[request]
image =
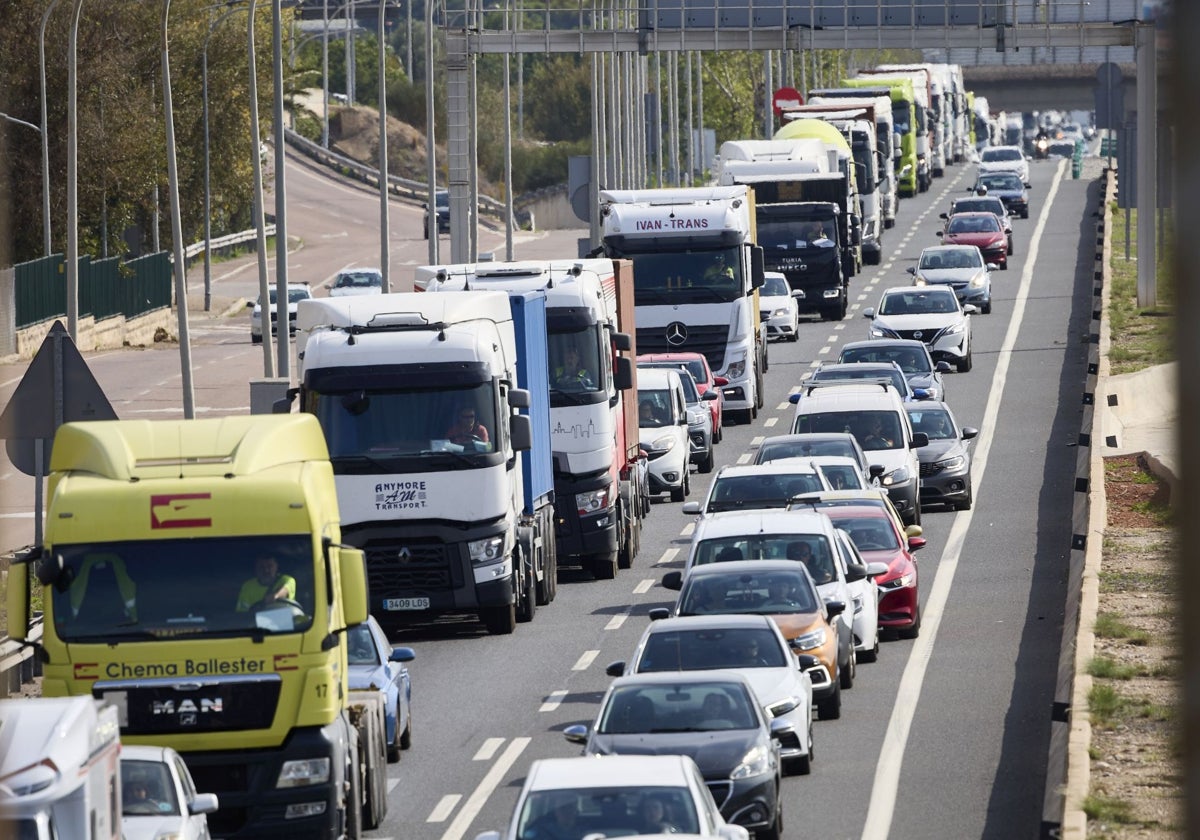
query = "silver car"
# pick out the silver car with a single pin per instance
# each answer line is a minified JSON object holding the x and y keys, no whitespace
{"x":946,"y":461}
{"x":962,"y":268}
{"x":931,"y":314}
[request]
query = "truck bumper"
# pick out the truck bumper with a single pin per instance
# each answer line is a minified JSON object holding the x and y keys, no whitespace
{"x":252,"y":806}
{"x":580,"y":536}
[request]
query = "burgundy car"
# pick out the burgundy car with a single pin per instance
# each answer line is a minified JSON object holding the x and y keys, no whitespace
{"x":880,"y":538}
{"x":982,"y":230}
{"x":697,"y":365}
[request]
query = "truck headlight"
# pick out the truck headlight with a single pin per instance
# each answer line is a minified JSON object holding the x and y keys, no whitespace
{"x":486,"y":551}
{"x":303,"y":772}
{"x":594,"y":501}
{"x":737,"y":368}
{"x":754,"y":763}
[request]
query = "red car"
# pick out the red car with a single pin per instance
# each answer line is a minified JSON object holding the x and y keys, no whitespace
{"x":881,"y":538}
{"x":982,"y":230}
{"x":697,"y":365}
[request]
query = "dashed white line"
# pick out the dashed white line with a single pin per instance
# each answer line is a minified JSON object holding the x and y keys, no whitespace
{"x":783,"y":406}
{"x":480,"y":795}
{"x":553,"y":700}
{"x":687,"y":529}
{"x":643,"y":586}
{"x":616,"y":621}
{"x":744,"y":458}
{"x":757,"y":440}
{"x":585,"y":661}
{"x":770,"y":421}
{"x":443,"y":809}
{"x":668,"y":555}
{"x":824,"y":351}
{"x":488,"y":749}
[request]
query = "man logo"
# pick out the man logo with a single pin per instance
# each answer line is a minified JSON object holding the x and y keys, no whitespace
{"x":676,"y":333}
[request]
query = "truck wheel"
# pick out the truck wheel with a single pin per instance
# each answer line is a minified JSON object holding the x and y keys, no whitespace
{"x":372,"y":751}
{"x":603,"y":566}
{"x":876,"y":256}
{"x":624,"y":539}
{"x":353,"y":801}
{"x":499,"y":621}
{"x":545,"y":586}
{"x":527,"y":592}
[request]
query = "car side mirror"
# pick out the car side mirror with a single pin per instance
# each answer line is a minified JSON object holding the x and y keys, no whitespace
{"x":249,"y":304}
{"x":912,"y":269}
{"x":203,"y":803}
{"x":943,"y":367}
{"x":402,"y":654}
{"x":659,"y":613}
{"x":615,"y":669}
{"x":710,"y":395}
{"x":806,"y":661}
{"x":969,"y":432}
{"x":919,"y":439}
{"x":673,"y":580}
{"x":916,"y":543}
{"x":943,"y":215}
{"x":869,"y":312}
{"x":691,"y":508}
{"x":834,"y":609}
{"x":1028,"y":185}
{"x":794,"y":398}
{"x":855,"y":572}
{"x":576,"y":733}
{"x":970,"y":309}
{"x":940,"y":234}
{"x":876,"y":470}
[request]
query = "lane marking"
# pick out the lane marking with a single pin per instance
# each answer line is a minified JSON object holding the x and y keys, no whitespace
{"x":770,"y":421}
{"x":616,"y":621}
{"x":553,"y":700}
{"x":688,"y":529}
{"x":667,"y":556}
{"x":584,"y":662}
{"x":757,"y":441}
{"x":479,"y":796}
{"x":443,"y":809}
{"x":885,"y":788}
{"x":488,"y":749}
{"x":643,"y":587}
{"x":783,"y":406}
{"x":744,"y":458}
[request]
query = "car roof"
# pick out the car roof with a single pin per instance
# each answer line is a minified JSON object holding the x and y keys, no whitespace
{"x":772,"y":468}
{"x":851,"y":511}
{"x":671,"y":357}
{"x":744,"y":566}
{"x":920,"y":290}
{"x":888,"y":342}
{"x":838,"y":397}
{"x":609,"y":771}
{"x":656,"y":378}
{"x":803,"y":436}
{"x":967,"y":214}
{"x":761,"y":521}
{"x":676,"y":677}
{"x":720,"y":621}
{"x":938,"y":249}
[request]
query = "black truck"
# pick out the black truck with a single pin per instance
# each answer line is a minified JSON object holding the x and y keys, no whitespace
{"x":801,"y":240}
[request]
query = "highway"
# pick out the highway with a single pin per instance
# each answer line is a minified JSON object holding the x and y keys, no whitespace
{"x":946,"y":736}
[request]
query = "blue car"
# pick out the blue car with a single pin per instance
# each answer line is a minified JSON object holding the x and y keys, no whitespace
{"x":375,"y":664}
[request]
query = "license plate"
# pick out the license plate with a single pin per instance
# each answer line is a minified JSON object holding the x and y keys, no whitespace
{"x":406,"y":603}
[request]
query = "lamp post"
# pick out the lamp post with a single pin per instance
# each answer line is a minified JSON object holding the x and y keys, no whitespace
{"x":181,"y":305}
{"x":284,"y":347}
{"x":384,"y":226}
{"x":73,"y":179}
{"x":264,"y":292}
{"x":45,"y":133}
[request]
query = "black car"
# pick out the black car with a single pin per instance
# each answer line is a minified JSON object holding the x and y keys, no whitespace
{"x":1009,"y":188}
{"x":441,"y":203}
{"x":946,"y":461}
{"x":713,"y":718}
{"x":912,"y":356}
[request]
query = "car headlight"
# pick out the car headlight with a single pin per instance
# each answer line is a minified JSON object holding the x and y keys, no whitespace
{"x":594,"y":501}
{"x":881,"y":332}
{"x":737,"y":368}
{"x":902,"y":582}
{"x":780,"y":312}
{"x":977,"y":281}
{"x":897,"y":476}
{"x":486,"y":551}
{"x":303,"y":772}
{"x":919,"y":280}
{"x":808,"y":641}
{"x":955,"y":329}
{"x":782,"y":707}
{"x":754,"y":763}
{"x":664,"y":444}
{"x":952,"y":463}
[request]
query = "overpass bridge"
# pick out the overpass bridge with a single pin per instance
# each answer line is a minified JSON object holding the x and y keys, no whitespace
{"x":1042,"y":87}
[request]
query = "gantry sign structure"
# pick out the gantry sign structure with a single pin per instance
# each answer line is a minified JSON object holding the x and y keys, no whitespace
{"x":620,"y":35}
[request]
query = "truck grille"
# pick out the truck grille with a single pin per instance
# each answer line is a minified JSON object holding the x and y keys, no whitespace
{"x":228,"y":704}
{"x":709,"y":340}
{"x":422,"y":566}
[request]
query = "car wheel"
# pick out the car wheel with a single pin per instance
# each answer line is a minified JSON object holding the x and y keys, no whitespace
{"x":986,"y":309}
{"x":847,"y":672}
{"x":1011,"y":251}
{"x":965,"y":504}
{"x":831,"y":707}
{"x":795,"y":327}
{"x":1004,"y":265}
{"x":706,"y":466}
{"x":679,"y":493}
{"x":964,"y":364}
{"x":406,"y":735}
{"x":871,"y":654}
{"x":914,"y":630}
{"x":256,"y":339}
{"x":1025,"y":213}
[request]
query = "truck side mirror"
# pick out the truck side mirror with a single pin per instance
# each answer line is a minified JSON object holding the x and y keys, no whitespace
{"x":757,"y":268}
{"x":17,"y":602}
{"x":520,"y":432}
{"x":623,"y":373}
{"x":518,"y":398}
{"x":352,"y":566}
{"x":622,"y":341}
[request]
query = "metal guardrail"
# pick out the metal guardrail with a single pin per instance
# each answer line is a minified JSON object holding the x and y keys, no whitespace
{"x":18,"y":665}
{"x":230,"y":240}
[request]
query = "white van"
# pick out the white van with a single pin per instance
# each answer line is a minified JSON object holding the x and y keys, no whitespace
{"x":875,"y":415}
{"x":663,"y":430}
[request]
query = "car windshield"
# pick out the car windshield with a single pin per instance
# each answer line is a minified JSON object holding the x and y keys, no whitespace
{"x":1001,"y":181}
{"x":920,"y":301}
{"x":813,"y":550}
{"x":955,"y":258}
{"x":654,"y":408}
{"x":775,"y":287}
{"x":601,"y":811}
{"x":680,"y":277}
{"x":868,"y":533}
{"x":441,"y":199}
{"x":767,"y":593}
{"x":910,"y":359}
{"x":686,"y":707}
{"x":215,"y":587}
{"x":761,"y":490}
{"x":147,"y":790}
{"x":978,"y":205}
{"x":934,"y":422}
{"x":358,"y":280}
{"x":990,"y":155}
{"x":294,"y":295}
{"x":873,"y":429}
{"x":702,"y":650}
{"x":973,"y":223}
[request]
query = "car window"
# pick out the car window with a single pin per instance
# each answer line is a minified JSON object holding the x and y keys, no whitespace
{"x":700,"y":650}
{"x":147,"y":789}
{"x":776,"y":287}
{"x":799,"y":449}
{"x":296,"y":295}
{"x":696,"y":368}
{"x":935,"y":423}
{"x":1001,"y":154}
{"x":842,"y":476}
{"x":654,"y":408}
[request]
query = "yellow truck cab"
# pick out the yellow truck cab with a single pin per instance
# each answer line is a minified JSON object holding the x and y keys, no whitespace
{"x":192,"y":576}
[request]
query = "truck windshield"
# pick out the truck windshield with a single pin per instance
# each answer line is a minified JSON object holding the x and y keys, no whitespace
{"x":796,"y":234}
{"x":381,"y":424}
{"x":687,"y":277}
{"x":576,"y":365}
{"x":216,"y":586}
{"x":901,"y":112}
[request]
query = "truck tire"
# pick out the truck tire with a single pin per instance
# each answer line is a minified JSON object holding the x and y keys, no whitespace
{"x":526,"y":587}
{"x":603,"y":566}
{"x":352,"y":804}
{"x":624,"y":538}
{"x":501,"y":620}
{"x":372,"y":753}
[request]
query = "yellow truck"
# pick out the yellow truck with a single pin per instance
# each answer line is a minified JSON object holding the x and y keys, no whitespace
{"x":192,"y":575}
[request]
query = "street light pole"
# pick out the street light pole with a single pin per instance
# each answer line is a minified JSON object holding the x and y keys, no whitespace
{"x":325,"y":75}
{"x":73,"y":180}
{"x":46,"y":244}
{"x":384,"y":231}
{"x":181,"y":302}
{"x":264,"y":292}
{"x":284,"y":347}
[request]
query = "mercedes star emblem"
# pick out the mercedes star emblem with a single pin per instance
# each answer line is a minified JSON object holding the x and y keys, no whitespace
{"x":676,"y":333}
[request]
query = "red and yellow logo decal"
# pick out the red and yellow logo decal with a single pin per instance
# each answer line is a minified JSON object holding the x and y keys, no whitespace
{"x":180,"y":510}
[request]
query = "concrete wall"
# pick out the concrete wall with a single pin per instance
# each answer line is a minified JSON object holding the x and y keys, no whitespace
{"x":106,"y":334}
{"x":553,"y":212}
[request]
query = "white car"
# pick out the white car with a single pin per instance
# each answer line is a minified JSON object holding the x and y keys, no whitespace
{"x":780,"y":313}
{"x":296,"y":292}
{"x":357,"y":281}
{"x":758,"y":486}
{"x":587,"y":796}
{"x":864,"y":595}
{"x":1001,"y":158}
{"x":931,"y":314}
{"x":158,"y":798}
{"x":663,"y":431}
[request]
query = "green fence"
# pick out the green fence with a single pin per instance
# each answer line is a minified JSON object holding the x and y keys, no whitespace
{"x":107,"y":288}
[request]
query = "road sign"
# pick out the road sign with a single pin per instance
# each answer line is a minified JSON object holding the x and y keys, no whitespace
{"x":1110,"y":96}
{"x":785,"y":98}
{"x":58,"y":387}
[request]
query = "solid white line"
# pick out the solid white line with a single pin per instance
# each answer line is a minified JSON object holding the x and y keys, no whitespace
{"x":488,"y":749}
{"x":616,"y":622}
{"x":25,"y":514}
{"x":584,"y":662}
{"x":443,"y":809}
{"x":553,"y":700}
{"x":480,"y":795}
{"x":887,"y":771}
{"x":643,"y":586}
